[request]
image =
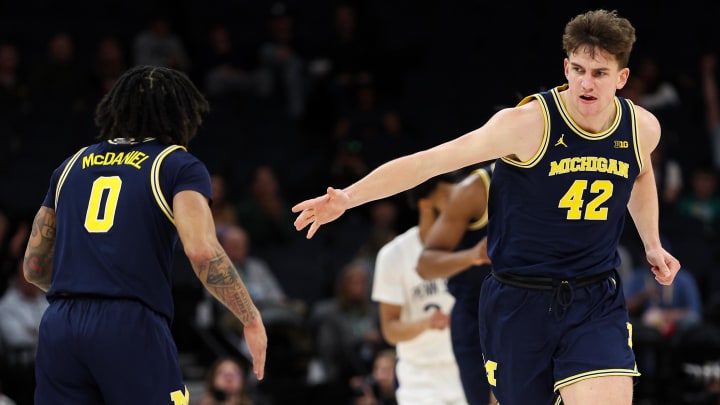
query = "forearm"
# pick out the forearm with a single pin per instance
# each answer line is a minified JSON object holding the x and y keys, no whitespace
{"x":220,"y":278}
{"x":443,"y":264}
{"x":38,"y":261}
{"x":389,"y":179}
{"x":643,"y":207}
{"x":398,"y":331}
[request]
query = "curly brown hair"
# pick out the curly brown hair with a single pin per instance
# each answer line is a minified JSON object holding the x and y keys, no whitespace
{"x":600,"y":29}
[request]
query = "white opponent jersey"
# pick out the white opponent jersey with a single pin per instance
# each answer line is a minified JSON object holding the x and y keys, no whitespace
{"x":396,"y":282}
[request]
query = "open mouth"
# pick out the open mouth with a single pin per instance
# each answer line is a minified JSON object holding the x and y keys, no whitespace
{"x":587,"y":98}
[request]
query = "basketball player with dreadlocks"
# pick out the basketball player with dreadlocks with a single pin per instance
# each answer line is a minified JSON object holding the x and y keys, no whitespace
{"x":102,"y":245}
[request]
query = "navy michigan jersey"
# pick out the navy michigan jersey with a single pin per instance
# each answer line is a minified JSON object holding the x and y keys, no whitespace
{"x":561,"y":213}
{"x":115,"y":234}
{"x":465,"y":285}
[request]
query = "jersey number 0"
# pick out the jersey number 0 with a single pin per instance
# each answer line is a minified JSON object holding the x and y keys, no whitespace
{"x":105,"y":189}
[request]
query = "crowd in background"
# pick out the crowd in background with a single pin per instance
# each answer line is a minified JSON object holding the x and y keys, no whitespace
{"x":309,"y":95}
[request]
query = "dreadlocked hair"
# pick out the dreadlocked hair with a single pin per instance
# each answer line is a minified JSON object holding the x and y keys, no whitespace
{"x":151,"y":101}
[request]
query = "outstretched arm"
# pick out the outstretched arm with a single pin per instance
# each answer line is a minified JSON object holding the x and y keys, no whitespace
{"x":213,"y":267}
{"x":512,"y":131}
{"x":38,"y":262}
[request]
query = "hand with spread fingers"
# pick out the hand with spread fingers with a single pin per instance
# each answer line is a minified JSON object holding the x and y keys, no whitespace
{"x":321,"y":210}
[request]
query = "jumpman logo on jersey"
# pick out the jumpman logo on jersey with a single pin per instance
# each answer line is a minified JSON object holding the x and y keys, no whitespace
{"x":560,"y":141}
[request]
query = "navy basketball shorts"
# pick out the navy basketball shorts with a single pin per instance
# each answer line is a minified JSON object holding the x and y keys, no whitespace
{"x":465,"y":336}
{"x":532,"y":346}
{"x":106,"y":351}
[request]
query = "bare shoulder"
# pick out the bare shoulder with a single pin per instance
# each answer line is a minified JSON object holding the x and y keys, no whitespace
{"x":648,"y":129}
{"x":469,"y":195}
{"x":522,"y":127}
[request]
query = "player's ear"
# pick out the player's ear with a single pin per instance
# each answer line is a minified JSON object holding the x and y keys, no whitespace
{"x":623,"y":78}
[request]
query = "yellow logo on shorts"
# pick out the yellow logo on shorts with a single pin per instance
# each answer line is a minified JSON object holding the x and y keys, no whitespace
{"x":490,"y":367}
{"x":180,"y":398}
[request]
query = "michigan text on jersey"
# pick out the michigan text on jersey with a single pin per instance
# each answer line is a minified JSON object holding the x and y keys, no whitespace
{"x":133,"y":158}
{"x":589,"y":164}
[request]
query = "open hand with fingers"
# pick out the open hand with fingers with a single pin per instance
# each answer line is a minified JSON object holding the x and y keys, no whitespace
{"x":321,"y":210}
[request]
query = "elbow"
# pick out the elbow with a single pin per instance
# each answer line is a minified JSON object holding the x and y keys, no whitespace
{"x":389,"y":338}
{"x":199,"y":253}
{"x":423,"y":268}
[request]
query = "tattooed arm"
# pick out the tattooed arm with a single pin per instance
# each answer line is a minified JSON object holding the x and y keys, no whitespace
{"x":213,"y":267}
{"x":37,"y":265}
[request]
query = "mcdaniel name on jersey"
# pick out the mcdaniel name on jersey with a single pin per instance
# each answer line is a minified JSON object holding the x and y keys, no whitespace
{"x":589,"y":164}
{"x":133,"y":158}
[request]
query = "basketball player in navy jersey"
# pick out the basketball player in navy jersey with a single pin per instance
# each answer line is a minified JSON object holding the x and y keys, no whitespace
{"x":102,"y":245}
{"x":553,"y":319}
{"x":455,"y":248}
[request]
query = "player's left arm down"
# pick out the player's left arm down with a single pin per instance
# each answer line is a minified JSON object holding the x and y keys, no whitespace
{"x":37,"y":264}
{"x":643,"y":205}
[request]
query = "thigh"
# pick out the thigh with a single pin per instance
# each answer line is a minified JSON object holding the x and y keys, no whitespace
{"x":518,"y":337}
{"x":465,"y":334}
{"x":135,"y":359}
{"x":60,"y":373}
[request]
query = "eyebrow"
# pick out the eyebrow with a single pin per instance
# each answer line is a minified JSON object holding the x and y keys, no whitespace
{"x":603,"y":69}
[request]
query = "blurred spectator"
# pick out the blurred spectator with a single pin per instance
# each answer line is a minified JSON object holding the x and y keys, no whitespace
{"x":376,"y":127}
{"x":13,"y":91}
{"x":21,"y":310}
{"x":226,"y":384}
{"x":702,"y":202}
{"x":346,"y":331}
{"x":383,"y":228}
{"x":13,"y":103}
{"x":708,"y":71}
{"x":110,"y":63}
{"x":262,"y":285}
{"x":284,"y":63}
{"x":264,"y":213}
{"x":57,"y":83}
{"x":659,"y":94}
{"x":668,"y":176}
{"x":13,"y":247}
{"x":350,"y":56}
{"x":224,"y":70}
{"x":668,"y":308}
{"x":379,"y":387}
{"x":658,"y":313}
{"x":158,"y":45}
{"x":257,"y":276}
{"x":223,"y":210}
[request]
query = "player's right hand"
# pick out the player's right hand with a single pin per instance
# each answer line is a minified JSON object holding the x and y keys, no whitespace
{"x":256,"y":340}
{"x":321,"y":210}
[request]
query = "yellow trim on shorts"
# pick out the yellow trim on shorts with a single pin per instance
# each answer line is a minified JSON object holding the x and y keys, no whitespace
{"x":65,"y":172}
{"x":155,"y":181}
{"x":593,"y":374}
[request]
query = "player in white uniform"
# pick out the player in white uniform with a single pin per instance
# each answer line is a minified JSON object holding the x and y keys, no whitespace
{"x":414,"y":313}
